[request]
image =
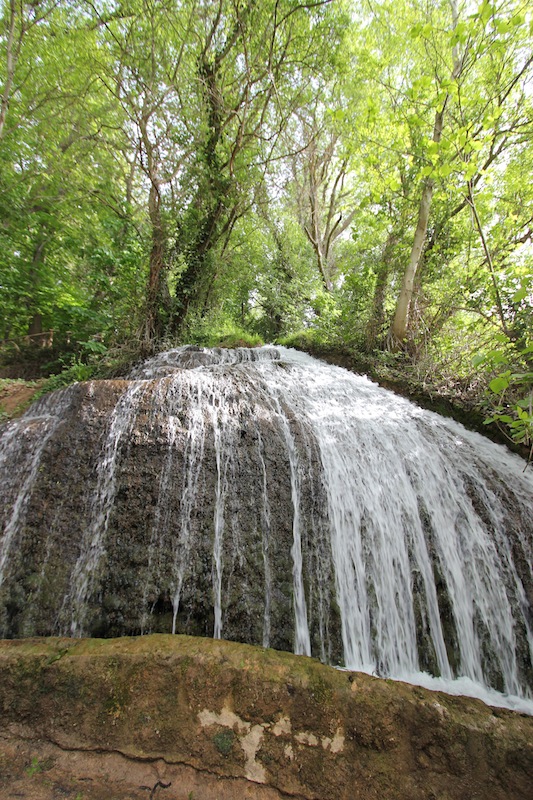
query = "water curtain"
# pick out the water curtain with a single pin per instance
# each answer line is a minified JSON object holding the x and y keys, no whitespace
{"x":262,"y":496}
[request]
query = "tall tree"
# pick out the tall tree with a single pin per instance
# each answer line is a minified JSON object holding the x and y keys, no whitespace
{"x":54,"y":166}
{"x":322,"y":183}
{"x":457,"y":106}
{"x":146,"y":63}
{"x":400,"y":322}
{"x":254,"y":65}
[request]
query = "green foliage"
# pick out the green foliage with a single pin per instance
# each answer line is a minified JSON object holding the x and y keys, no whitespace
{"x":77,"y":371}
{"x":511,"y":393}
{"x":256,"y":174}
{"x":301,"y":340}
{"x":66,"y":240}
{"x":39,"y":765}
{"x":223,"y":741}
{"x":83,"y":363}
{"x":214,"y":332}
{"x":239,"y":338}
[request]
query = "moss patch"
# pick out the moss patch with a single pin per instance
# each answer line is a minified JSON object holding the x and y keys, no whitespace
{"x":277,"y":723}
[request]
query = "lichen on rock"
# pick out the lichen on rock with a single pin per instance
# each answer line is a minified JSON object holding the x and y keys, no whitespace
{"x":225,"y":721}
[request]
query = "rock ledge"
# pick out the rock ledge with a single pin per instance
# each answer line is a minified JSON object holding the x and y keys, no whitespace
{"x":184,"y":718}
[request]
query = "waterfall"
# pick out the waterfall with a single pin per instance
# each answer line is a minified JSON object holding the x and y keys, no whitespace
{"x":87,"y":566}
{"x":38,"y":427}
{"x":263,"y":496}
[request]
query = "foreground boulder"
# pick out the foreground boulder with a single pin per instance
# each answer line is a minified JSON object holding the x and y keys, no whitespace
{"x":178,"y":717}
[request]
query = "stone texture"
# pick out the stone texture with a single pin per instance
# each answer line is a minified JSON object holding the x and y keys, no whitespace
{"x":133,"y":582}
{"x":178,"y":717}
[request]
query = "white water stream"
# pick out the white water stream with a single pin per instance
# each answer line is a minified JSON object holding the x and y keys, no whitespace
{"x":377,"y":469}
{"x":392,"y":473}
{"x":40,"y":423}
{"x":87,"y":566}
{"x":411,"y":538}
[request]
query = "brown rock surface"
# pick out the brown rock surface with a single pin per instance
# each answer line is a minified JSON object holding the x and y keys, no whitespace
{"x":184,"y":718}
{"x":15,"y":396}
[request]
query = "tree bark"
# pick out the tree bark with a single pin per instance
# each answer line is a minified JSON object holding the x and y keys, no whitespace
{"x":35,"y":324}
{"x":400,"y":323}
{"x":152,"y":320}
{"x":375,"y":328}
{"x":11,"y":58}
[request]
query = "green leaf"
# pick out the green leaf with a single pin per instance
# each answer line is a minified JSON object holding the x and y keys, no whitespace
{"x":503,"y":27}
{"x":521,"y":294}
{"x":480,"y":358}
{"x":499,"y":384}
{"x":471,"y":170}
{"x":525,"y":403}
{"x":496,"y":356}
{"x":445,"y":170}
{"x":485,"y":11}
{"x":460,"y":34}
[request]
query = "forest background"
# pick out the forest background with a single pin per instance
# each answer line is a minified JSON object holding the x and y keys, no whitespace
{"x":340,"y":175}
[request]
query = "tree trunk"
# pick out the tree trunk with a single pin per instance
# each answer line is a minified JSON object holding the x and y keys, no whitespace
{"x":197,"y":273}
{"x":35,"y":324}
{"x":11,"y":58}
{"x":399,"y":327}
{"x":152,"y":319}
{"x":35,"y":327}
{"x":210,"y":203}
{"x":376,"y":324}
{"x":398,"y":332}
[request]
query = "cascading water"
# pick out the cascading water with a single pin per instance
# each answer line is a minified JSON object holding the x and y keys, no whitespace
{"x":262,"y":496}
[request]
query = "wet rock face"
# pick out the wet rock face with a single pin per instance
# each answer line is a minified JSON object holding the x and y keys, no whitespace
{"x":49,"y":464}
{"x":248,"y":496}
{"x":133,"y":498}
